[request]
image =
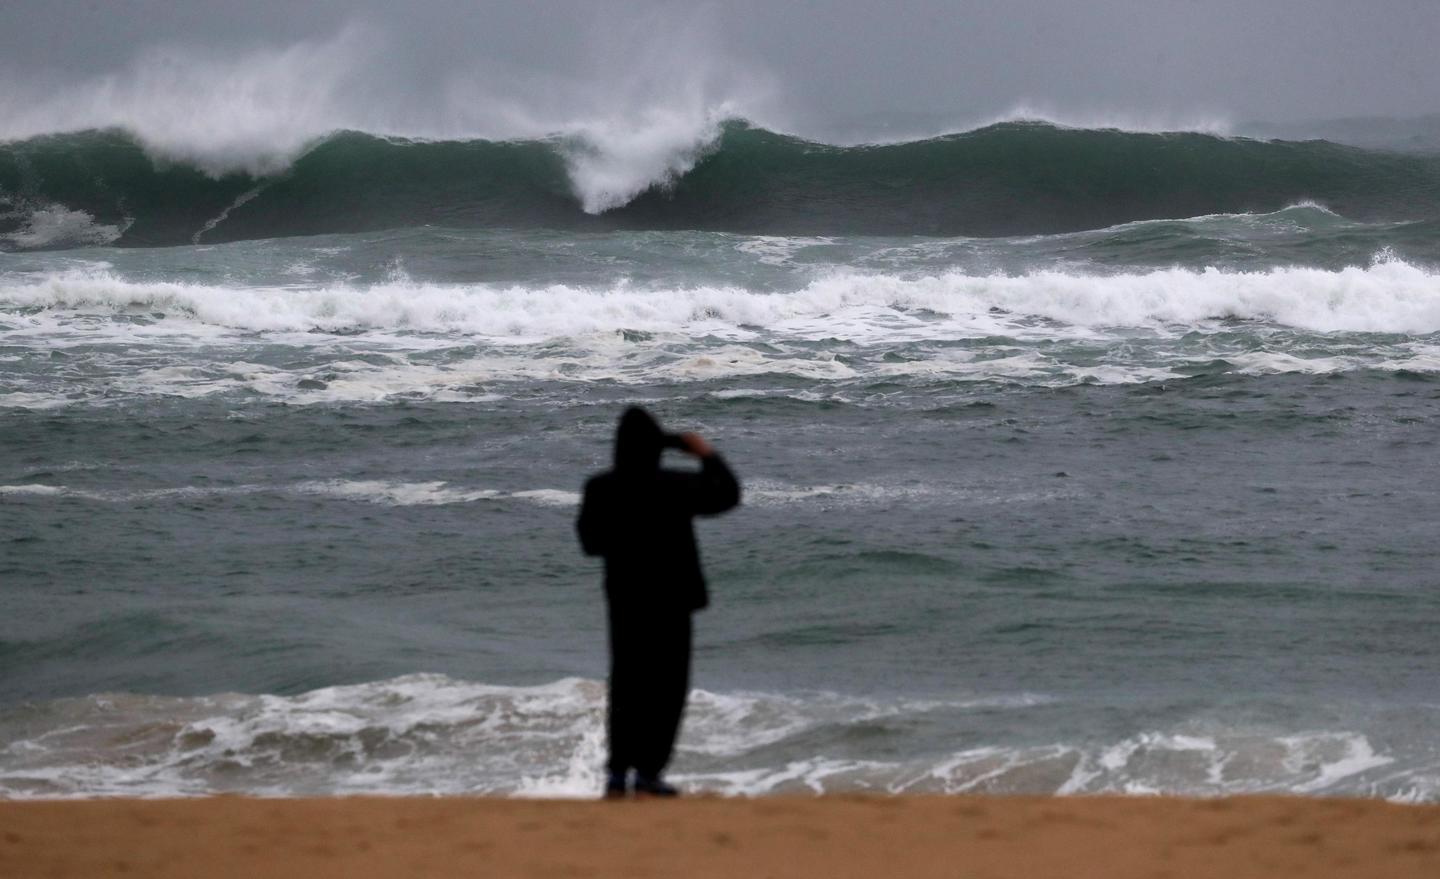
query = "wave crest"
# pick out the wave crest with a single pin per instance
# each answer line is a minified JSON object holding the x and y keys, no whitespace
{"x":683,"y":169}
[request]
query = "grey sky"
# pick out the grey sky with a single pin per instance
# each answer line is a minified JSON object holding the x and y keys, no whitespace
{"x":811,"y":64}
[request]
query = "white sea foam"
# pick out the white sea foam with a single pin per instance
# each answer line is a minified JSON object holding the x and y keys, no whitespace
{"x":1227,"y":762}
{"x":778,"y":250}
{"x":375,"y":491}
{"x":54,"y":225}
{"x":492,"y":378}
{"x":769,"y":492}
{"x":398,"y":493}
{"x":415,"y":734}
{"x":403,"y":494}
{"x":240,"y":201}
{"x":611,"y":163}
{"x":464,"y":343}
{"x":549,"y":497}
{"x":429,"y":734}
{"x":407,"y":494}
{"x":1390,"y":296}
{"x":1218,"y":124}
{"x":422,"y":733}
{"x":759,"y":492}
{"x":36,"y":490}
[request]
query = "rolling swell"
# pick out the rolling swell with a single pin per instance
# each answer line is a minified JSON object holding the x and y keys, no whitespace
{"x":1016,"y":178}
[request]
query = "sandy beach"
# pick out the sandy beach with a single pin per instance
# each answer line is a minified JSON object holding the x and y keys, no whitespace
{"x":832,"y":836}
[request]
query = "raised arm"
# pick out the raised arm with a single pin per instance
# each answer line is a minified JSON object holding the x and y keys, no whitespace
{"x":716,"y":488}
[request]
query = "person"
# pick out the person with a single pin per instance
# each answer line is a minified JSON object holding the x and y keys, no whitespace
{"x":639,"y":517}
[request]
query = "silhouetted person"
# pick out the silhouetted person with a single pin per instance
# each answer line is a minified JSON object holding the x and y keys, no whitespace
{"x":638,"y":516}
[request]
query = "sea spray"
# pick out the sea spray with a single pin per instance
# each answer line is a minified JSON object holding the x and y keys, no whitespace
{"x":638,"y":113}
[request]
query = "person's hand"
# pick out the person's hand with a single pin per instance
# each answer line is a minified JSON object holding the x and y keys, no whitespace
{"x":696,"y":445}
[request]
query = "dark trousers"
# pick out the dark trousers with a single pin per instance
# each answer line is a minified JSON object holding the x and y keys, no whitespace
{"x":649,"y":681}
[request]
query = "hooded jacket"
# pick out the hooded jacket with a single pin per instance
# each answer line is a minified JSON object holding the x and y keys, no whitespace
{"x":639,"y":517}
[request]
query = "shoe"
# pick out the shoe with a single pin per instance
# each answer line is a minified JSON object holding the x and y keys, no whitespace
{"x":646,"y":786}
{"x":616,"y":787}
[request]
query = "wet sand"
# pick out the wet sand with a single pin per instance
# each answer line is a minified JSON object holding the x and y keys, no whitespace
{"x":830,"y":836}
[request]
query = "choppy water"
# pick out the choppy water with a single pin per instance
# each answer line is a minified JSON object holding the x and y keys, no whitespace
{"x":1116,"y":503}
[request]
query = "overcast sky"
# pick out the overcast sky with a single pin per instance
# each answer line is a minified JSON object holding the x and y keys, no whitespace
{"x":805,"y":63}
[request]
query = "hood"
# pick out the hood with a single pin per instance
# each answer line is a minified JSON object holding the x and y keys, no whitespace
{"x":638,"y":441}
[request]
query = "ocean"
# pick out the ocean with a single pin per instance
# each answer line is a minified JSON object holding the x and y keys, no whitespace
{"x":1075,"y":461}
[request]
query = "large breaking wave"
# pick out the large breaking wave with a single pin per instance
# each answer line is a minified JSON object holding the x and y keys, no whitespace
{"x":1010,"y":178}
